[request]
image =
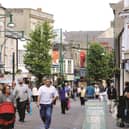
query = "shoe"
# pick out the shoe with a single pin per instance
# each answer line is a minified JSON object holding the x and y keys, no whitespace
{"x":43,"y":119}
{"x":21,"y":120}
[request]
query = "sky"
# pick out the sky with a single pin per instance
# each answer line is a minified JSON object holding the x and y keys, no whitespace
{"x":71,"y":15}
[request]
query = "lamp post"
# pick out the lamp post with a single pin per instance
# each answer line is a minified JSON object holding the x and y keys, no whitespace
{"x":10,"y":24}
{"x":13,"y":66}
{"x":58,"y":39}
{"x":61,"y":56}
{"x":87,"y":43}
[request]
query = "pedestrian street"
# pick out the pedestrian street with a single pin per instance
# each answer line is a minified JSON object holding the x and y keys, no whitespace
{"x":73,"y":119}
{"x":94,"y":115}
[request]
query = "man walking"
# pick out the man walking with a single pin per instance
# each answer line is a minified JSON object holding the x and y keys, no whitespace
{"x":21,"y":92}
{"x":47,"y":95}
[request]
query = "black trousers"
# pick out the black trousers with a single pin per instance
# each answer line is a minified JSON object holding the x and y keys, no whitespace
{"x":21,"y":107}
{"x":63,"y":106}
{"x":34,"y":98}
{"x":82,"y":100}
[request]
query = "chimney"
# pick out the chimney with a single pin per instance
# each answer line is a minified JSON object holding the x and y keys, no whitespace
{"x":39,"y":9}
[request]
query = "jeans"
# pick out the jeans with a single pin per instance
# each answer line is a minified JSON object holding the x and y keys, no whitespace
{"x":46,"y":113}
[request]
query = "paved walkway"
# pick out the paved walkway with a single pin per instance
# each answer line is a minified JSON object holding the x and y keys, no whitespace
{"x":94,"y":115}
{"x":73,"y":119}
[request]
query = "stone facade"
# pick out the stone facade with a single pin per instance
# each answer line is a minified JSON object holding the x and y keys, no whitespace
{"x":124,"y":14}
{"x":118,"y":25}
{"x":26,"y":20}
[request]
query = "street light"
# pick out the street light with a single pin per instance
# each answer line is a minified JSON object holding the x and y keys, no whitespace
{"x":58,"y":40}
{"x":61,"y":56}
{"x":10,"y":23}
{"x":15,"y":34}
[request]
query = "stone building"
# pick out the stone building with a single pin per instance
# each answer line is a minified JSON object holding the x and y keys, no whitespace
{"x":79,"y":42}
{"x":25,"y":20}
{"x":7,"y":41}
{"x":124,"y":14}
{"x":118,"y":30}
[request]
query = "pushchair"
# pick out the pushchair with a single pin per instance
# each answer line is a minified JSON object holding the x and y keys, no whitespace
{"x":7,"y":115}
{"x":123,"y":112}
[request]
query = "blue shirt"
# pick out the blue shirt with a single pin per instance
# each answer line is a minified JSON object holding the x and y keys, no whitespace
{"x":90,"y":91}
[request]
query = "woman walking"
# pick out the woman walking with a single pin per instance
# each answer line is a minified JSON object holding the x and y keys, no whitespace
{"x":82,"y":95}
{"x":7,"y":108}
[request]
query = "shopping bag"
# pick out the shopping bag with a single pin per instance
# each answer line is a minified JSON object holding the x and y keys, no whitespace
{"x":68,"y":104}
{"x":30,"y":111}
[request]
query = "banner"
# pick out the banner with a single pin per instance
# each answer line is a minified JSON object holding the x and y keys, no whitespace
{"x":82,"y":58}
{"x":55,"y":58}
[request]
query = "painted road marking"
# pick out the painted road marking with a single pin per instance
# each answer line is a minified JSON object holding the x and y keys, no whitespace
{"x":95,"y":115}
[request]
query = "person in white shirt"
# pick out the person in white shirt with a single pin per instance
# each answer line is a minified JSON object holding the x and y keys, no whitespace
{"x":82,"y":95}
{"x":47,"y":95}
{"x":97,"y":91}
{"x":34,"y":93}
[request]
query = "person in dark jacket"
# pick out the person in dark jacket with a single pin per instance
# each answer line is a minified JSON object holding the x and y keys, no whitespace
{"x":62,"y":97}
{"x":111,"y":92}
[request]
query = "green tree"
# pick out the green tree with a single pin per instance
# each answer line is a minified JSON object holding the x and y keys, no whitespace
{"x":110,"y":70}
{"x":37,"y":58}
{"x":99,"y":65}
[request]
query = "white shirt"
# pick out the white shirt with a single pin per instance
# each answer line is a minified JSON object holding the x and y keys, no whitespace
{"x":97,"y":90}
{"x":34,"y":91}
{"x":46,"y":94}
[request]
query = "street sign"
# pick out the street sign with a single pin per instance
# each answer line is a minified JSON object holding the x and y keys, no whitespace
{"x":95,"y":115}
{"x":55,"y":66}
{"x":82,"y":72}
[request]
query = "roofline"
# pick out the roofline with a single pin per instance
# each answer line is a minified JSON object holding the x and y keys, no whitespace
{"x":2,"y":7}
{"x":30,"y":9}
